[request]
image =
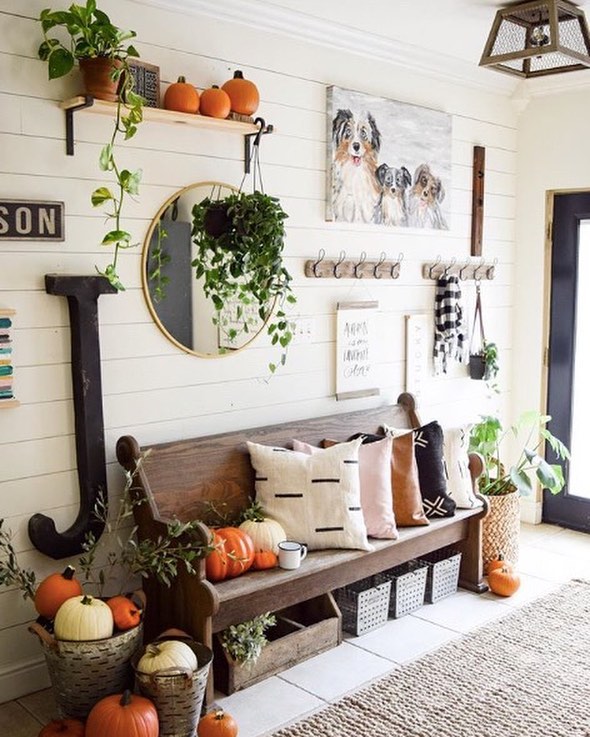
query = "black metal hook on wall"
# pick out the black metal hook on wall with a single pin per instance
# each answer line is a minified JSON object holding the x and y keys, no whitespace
{"x":395,"y":268}
{"x":382,"y":258}
{"x":263,"y":129}
{"x":321,"y":255}
{"x":361,"y":261}
{"x":341,"y":259}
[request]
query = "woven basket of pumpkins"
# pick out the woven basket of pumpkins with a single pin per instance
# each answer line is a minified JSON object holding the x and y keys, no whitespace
{"x":88,"y":642}
{"x":172,"y":671}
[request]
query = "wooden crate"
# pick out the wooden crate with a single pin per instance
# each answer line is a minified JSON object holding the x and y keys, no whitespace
{"x":302,"y":631}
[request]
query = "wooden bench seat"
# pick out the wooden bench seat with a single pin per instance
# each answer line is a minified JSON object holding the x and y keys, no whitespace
{"x":181,"y":480}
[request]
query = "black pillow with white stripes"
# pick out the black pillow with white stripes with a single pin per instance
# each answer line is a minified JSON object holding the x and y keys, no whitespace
{"x":429,"y":450}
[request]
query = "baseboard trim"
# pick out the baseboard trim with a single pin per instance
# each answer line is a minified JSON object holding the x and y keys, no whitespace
{"x":22,"y":679}
{"x":531,"y":512}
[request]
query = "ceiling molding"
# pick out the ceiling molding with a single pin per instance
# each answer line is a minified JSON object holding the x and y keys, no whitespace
{"x":303,"y":27}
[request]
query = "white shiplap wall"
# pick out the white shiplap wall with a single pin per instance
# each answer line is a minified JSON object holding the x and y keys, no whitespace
{"x":151,"y":389}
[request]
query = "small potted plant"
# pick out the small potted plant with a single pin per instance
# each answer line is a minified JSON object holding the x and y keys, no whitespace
{"x":503,"y":485}
{"x":484,"y":365}
{"x":97,"y":45}
{"x":240,"y":241}
{"x":95,"y":41}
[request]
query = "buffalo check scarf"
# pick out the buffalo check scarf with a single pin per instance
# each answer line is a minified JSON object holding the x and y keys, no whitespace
{"x":450,"y":334}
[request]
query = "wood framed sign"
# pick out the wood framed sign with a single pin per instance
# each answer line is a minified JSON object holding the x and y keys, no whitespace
{"x":355,"y":335}
{"x":146,"y":81}
{"x":31,"y":220}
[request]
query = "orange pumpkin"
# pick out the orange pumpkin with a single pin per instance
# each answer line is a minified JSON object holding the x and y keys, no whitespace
{"x":125,"y":613}
{"x":215,"y":103}
{"x":499,"y":562}
{"x":216,"y":561}
{"x":63,"y":727}
{"x":54,"y":590}
{"x":182,"y":97}
{"x":264,"y":559}
{"x":243,"y":94}
{"x":123,"y":715}
{"x":239,"y":549}
{"x":217,"y":723}
{"x":504,"y":581}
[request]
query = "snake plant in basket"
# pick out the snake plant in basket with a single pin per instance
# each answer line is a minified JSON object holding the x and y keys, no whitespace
{"x":239,"y":257}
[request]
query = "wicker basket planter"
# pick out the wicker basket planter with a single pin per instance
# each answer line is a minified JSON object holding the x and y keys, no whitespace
{"x":82,"y":673}
{"x":501,"y":528}
{"x":178,"y":697}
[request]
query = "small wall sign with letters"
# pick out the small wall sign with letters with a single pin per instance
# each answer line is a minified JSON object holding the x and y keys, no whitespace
{"x":31,"y":220}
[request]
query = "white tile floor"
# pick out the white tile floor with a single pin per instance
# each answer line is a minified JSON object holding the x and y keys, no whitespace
{"x":549,"y":556}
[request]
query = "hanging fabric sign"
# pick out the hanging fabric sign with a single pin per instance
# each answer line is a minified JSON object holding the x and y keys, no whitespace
{"x":355,"y":335}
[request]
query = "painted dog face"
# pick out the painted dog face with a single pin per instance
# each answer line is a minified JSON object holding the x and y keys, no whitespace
{"x":355,"y":138}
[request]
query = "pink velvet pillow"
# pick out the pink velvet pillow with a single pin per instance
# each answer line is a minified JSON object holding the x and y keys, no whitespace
{"x":375,"y":477}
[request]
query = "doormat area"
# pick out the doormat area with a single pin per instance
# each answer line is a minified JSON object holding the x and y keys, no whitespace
{"x":526,"y":675}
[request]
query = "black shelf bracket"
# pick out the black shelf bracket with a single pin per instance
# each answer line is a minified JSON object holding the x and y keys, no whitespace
{"x":263,"y":129}
{"x":88,"y":102}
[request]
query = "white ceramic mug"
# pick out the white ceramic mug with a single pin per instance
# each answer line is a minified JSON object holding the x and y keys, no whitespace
{"x":291,"y":554}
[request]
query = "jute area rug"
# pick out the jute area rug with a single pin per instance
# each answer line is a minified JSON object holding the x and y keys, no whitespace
{"x":526,"y":674}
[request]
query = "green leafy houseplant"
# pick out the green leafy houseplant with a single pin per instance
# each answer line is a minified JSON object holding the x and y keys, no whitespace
{"x":244,"y":642}
{"x":92,"y":36}
{"x":484,"y":364}
{"x":240,"y":261}
{"x":487,"y":437}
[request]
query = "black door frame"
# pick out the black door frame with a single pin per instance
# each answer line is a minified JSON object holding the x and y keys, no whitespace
{"x":567,"y":209}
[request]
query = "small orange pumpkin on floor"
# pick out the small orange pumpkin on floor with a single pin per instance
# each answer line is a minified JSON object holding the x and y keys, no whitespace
{"x":217,"y":723}
{"x":504,"y":581}
{"x":499,"y":562}
{"x":182,"y":97}
{"x":123,"y":715}
{"x":63,"y":727}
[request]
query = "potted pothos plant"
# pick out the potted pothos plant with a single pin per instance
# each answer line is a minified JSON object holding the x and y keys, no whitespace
{"x":239,"y":242}
{"x":94,"y":40}
{"x":484,"y":364}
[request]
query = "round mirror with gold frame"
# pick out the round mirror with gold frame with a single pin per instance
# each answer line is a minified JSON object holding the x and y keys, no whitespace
{"x":174,"y":296}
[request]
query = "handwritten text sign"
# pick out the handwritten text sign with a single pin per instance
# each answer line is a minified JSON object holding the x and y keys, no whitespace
{"x":355,"y":326}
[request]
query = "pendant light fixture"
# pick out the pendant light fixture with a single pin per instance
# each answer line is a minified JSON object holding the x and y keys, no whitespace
{"x":536,"y":38}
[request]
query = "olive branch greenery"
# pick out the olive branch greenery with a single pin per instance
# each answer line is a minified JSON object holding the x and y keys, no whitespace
{"x":11,"y":573}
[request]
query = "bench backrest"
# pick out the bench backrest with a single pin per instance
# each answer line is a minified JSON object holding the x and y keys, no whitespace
{"x":200,"y":477}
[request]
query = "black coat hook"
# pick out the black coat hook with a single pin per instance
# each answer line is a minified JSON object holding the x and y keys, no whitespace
{"x":341,"y":258}
{"x":321,"y":255}
{"x":381,"y":261}
{"x":362,"y":260}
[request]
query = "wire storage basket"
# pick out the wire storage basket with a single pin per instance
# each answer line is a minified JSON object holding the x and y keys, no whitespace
{"x":177,"y":695}
{"x":443,"y":573}
{"x":82,"y":673}
{"x":408,"y":584}
{"x":363,"y":604}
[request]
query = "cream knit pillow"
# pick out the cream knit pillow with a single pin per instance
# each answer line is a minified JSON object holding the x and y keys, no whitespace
{"x":316,"y":498}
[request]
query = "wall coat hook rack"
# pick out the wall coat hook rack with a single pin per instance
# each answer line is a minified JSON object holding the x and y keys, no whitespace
{"x":477,"y":270}
{"x":348,"y":268}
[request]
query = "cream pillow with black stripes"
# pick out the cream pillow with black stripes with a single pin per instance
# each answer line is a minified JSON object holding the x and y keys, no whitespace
{"x":316,"y":498}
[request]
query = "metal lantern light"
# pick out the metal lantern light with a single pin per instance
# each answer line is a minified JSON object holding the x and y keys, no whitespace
{"x":536,"y":38}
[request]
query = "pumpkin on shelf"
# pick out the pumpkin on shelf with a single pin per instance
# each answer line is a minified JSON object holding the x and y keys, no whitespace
{"x":266,"y":533}
{"x":54,"y":590}
{"x":215,"y":102}
{"x":243,"y":94}
{"x":123,"y":715}
{"x":126,"y":614}
{"x":232,"y":554}
{"x":63,"y":727}
{"x":166,"y":655}
{"x":181,"y":97}
{"x":217,"y":723}
{"x":83,"y":618}
{"x":264,"y":559}
{"x":504,"y":581}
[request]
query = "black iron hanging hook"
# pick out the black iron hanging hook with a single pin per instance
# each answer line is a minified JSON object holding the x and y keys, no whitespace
{"x":263,"y":129}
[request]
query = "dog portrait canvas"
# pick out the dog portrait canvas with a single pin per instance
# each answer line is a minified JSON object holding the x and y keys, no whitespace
{"x":389,"y":162}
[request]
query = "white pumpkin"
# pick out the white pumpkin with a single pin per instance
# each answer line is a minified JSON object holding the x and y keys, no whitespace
{"x":165,"y":655}
{"x":266,"y":534}
{"x":83,"y":618}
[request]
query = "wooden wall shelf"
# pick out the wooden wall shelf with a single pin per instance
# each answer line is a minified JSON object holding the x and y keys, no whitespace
{"x":158,"y":115}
